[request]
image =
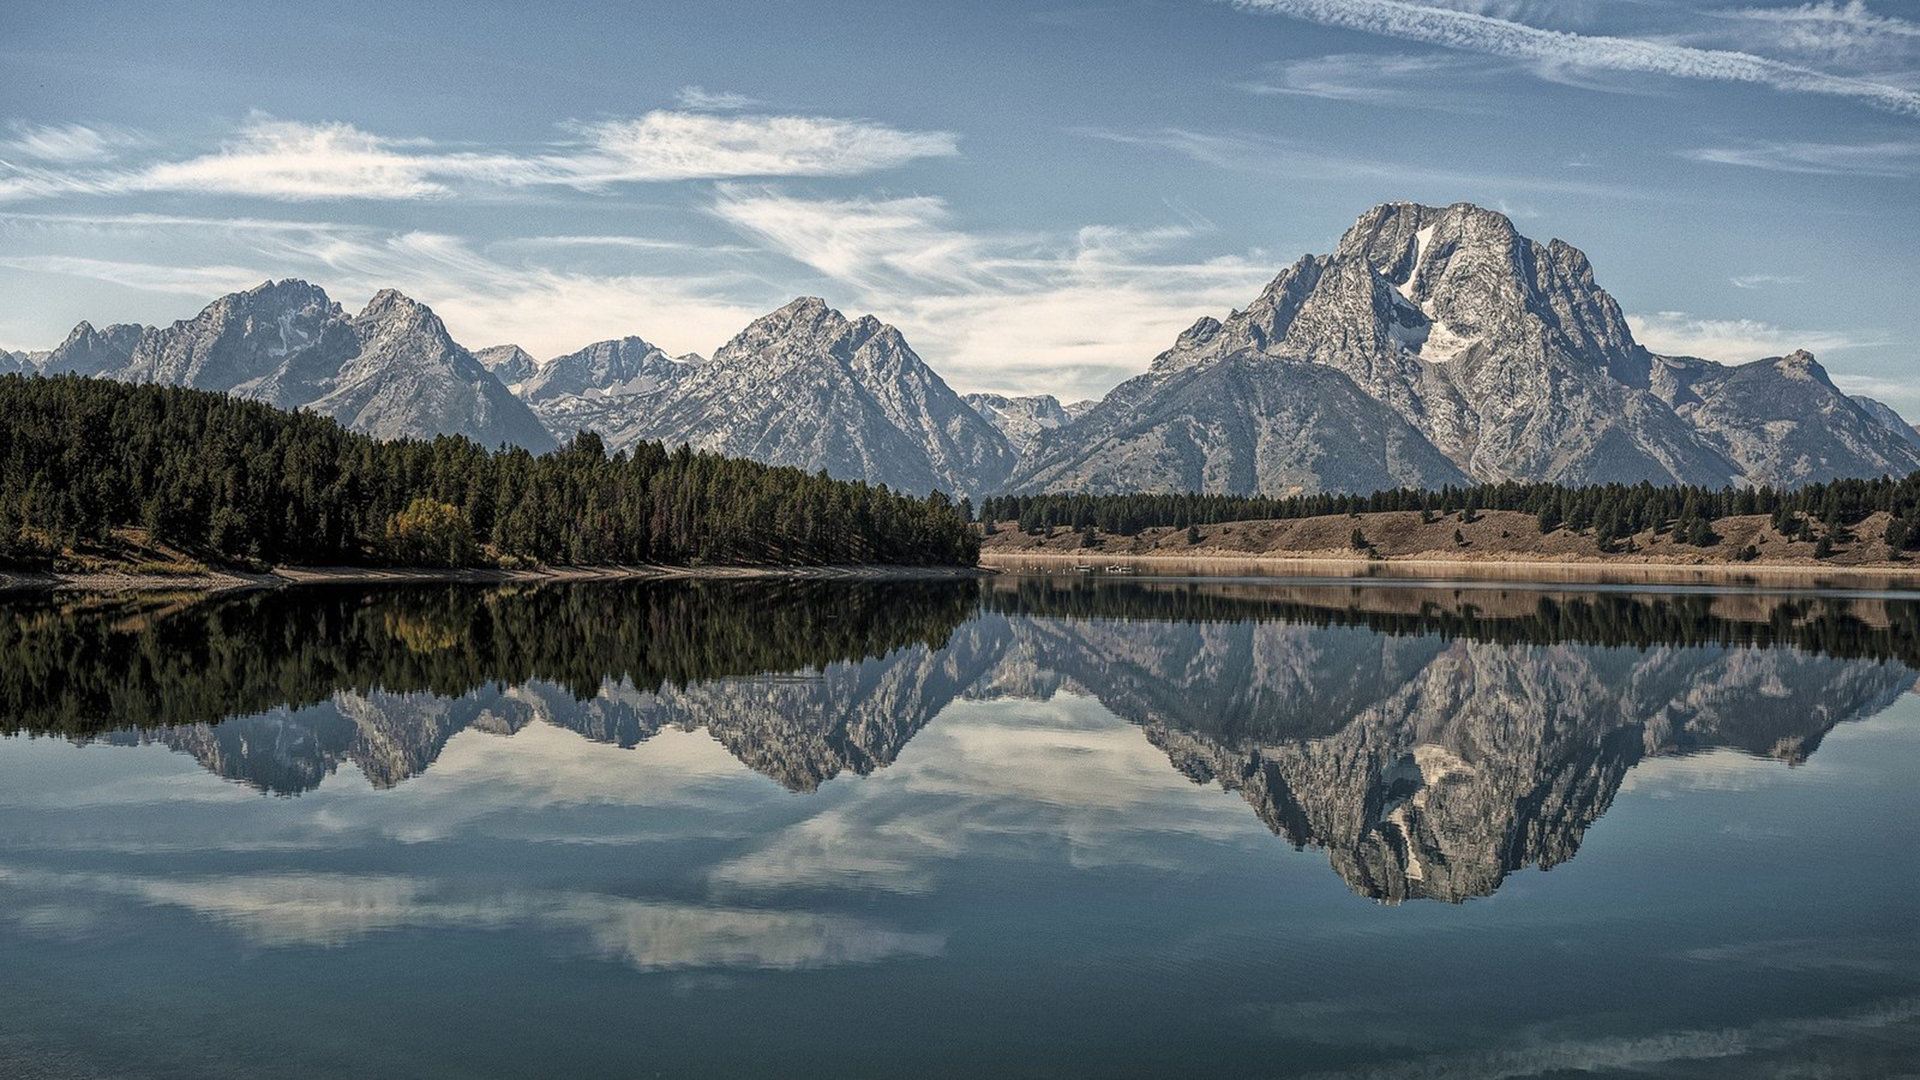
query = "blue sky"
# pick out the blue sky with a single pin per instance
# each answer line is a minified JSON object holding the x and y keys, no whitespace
{"x":1040,"y":195}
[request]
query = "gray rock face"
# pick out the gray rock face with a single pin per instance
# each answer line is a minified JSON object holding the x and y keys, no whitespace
{"x":392,"y":371}
{"x":1783,"y":422}
{"x":805,"y":386}
{"x":1243,"y":423}
{"x":409,"y":379}
{"x":607,"y":386}
{"x":511,"y":364}
{"x":1502,"y":353}
{"x":1020,"y":419}
{"x":1885,"y":415}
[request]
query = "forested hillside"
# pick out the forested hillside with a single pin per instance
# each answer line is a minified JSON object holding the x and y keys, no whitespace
{"x":242,"y":482}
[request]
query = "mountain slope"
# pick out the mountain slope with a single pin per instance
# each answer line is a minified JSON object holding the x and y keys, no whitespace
{"x":1782,"y":421}
{"x":1243,"y":423}
{"x":805,"y":386}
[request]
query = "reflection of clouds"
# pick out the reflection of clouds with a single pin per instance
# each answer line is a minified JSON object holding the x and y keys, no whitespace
{"x":993,"y":779}
{"x":528,"y":786}
{"x":542,"y":767}
{"x":1834,"y":1042}
{"x":51,"y":774}
{"x":279,"y":910}
{"x":1708,"y":770}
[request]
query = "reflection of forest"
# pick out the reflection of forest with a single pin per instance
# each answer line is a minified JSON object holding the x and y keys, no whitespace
{"x":1431,"y":741}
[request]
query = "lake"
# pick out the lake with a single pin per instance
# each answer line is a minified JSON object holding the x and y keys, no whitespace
{"x":1026,"y":826}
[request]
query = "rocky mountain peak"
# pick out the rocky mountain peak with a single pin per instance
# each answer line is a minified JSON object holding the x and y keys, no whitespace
{"x":1800,"y":364}
{"x":394,"y":308}
{"x":511,"y":364}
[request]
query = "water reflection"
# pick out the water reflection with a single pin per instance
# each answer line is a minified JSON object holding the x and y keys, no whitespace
{"x":1431,"y":742}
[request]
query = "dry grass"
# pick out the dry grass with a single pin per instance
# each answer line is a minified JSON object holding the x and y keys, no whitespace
{"x":1496,"y":536}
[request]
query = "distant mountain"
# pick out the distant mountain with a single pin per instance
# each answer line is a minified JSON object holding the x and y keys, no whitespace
{"x":806,"y":386}
{"x":1886,"y":415}
{"x":1020,"y":419}
{"x":391,"y":371}
{"x":1502,"y":353}
{"x":607,"y":386}
{"x":511,"y":364}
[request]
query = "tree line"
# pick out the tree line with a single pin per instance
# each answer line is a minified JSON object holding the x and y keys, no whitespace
{"x":243,"y":482}
{"x":1611,"y":512}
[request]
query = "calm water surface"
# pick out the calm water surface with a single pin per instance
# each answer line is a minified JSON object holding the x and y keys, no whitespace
{"x":1025,"y":827}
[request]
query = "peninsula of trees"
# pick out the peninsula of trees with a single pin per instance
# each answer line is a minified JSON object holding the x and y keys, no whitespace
{"x":243,"y":483}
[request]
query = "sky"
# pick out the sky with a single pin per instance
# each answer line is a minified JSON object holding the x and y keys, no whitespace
{"x":1040,"y":195}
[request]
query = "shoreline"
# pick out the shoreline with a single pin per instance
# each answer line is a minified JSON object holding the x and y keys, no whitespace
{"x":1517,"y":570}
{"x":294,"y":576}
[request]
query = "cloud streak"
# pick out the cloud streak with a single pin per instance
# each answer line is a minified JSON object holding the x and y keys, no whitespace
{"x":1733,"y":341}
{"x":66,"y":143}
{"x":1891,"y":158}
{"x":297,"y":161}
{"x":1473,"y":32}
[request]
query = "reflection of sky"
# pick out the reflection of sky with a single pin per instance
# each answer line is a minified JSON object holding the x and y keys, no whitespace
{"x":1021,"y":877}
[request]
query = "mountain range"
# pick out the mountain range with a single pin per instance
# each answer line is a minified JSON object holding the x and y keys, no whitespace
{"x":1435,"y":345}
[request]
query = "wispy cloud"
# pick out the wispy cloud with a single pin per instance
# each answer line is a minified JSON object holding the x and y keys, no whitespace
{"x":1474,"y":32}
{"x":200,"y":282}
{"x":1270,"y":156}
{"x":1734,"y":341}
{"x":1761,"y":281}
{"x":696,"y":97}
{"x":1847,"y":33}
{"x":1876,"y":387}
{"x":693,"y":146}
{"x":294,"y":160}
{"x":66,"y":143}
{"x":1400,"y":80}
{"x":1886,"y":158}
{"x":1069,"y":314}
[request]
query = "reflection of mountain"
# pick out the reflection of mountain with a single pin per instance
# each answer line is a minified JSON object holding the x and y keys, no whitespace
{"x":1430,"y":741}
{"x":800,"y":680}
{"x":800,"y":728}
{"x":1430,"y":763}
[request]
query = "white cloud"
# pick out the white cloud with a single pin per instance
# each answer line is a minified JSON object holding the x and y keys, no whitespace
{"x":546,"y":310}
{"x":1556,"y":49}
{"x":699,"y":146}
{"x":1893,"y":158}
{"x":294,"y":160}
{"x":1733,"y":341}
{"x":66,"y":143}
{"x":285,"y":159}
{"x":1761,"y":281}
{"x":697,"y":97}
{"x":1843,"y":33}
{"x":1015,"y":313}
{"x":1878,"y":388}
